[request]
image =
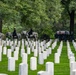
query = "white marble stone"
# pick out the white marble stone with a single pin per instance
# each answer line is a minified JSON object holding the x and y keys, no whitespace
{"x":23,"y":69}
{"x":9,"y":53}
{"x":28,"y":50}
{"x":11,"y":64}
{"x":45,"y":54}
{"x":17,"y":48}
{"x":74,"y":72}
{"x":4,"y":50}
{"x":11,"y":43}
{"x":24,"y":58}
{"x":0,"y":48}
{"x":32,"y":48}
{"x":33,"y":63}
{"x":50,"y":50}
{"x":72,"y":58}
{"x":22,"y":51}
{"x":72,"y":67}
{"x":34,"y":43}
{"x":50,"y":68}
{"x":57,"y":58}
{"x":16,"y":55}
{"x":35,"y":52}
{"x":41,"y":58}
{"x":48,"y":53}
{"x":12,"y":48}
{"x":8,"y":43}
{"x":22,"y":47}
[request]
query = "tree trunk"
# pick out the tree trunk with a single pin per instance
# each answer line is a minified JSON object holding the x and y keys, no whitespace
{"x":0,"y":25}
{"x":72,"y":14}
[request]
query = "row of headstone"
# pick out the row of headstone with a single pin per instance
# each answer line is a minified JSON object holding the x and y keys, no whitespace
{"x":70,"y":54}
{"x":58,"y":53}
{"x":54,"y":44}
{"x":43,"y":54}
{"x":15,"y":47}
{"x":8,"y":52}
{"x":34,"y":44}
{"x":74,"y":44}
{"x":71,"y":58}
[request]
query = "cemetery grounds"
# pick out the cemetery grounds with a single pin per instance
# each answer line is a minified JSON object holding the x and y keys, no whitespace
{"x":61,"y":68}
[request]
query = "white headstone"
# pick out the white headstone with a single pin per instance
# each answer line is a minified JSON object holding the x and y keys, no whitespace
{"x":4,"y":50}
{"x":11,"y":64}
{"x":0,"y":48}
{"x":9,"y":53}
{"x":12,"y":48}
{"x":50,"y":50}
{"x":17,"y":48}
{"x":57,"y":58}
{"x":11,"y":43}
{"x":72,"y":67}
{"x":74,"y":72}
{"x":8,"y":43}
{"x":50,"y":68}
{"x":41,"y":58}
{"x":72,"y":58}
{"x":35,"y":52}
{"x":16,"y":55}
{"x":23,"y":69}
{"x":24,"y":58}
{"x":45,"y":54}
{"x":33,"y":63}
{"x":22,"y":51}
{"x":28,"y":50}
{"x":22,"y":46}
{"x":32,"y":48}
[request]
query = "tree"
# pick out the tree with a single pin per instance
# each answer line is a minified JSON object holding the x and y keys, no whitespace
{"x":70,"y":8}
{"x":7,"y":12}
{"x":37,"y":14}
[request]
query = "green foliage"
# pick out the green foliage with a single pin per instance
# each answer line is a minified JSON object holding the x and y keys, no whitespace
{"x":9,"y":27}
{"x":25,"y":14}
{"x":72,"y":5}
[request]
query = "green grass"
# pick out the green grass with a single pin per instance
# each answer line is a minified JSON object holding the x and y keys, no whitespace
{"x":59,"y":69}
{"x":63,"y":67}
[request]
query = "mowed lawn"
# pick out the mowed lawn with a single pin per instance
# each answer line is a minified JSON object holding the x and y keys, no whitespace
{"x":59,"y":69}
